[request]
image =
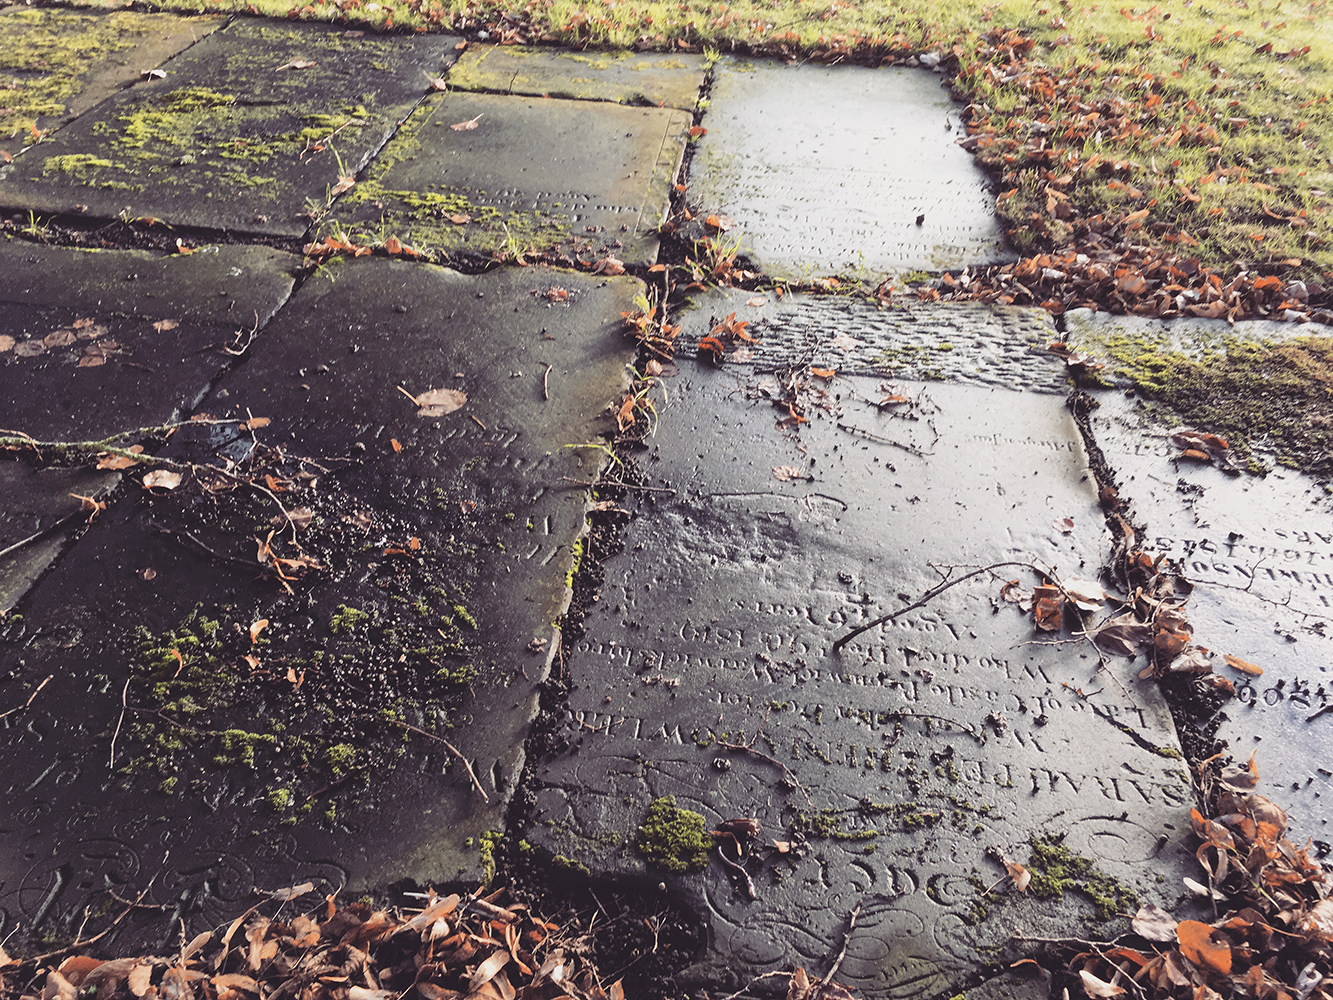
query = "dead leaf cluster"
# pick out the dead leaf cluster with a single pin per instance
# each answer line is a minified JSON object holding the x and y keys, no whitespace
{"x":453,"y":948}
{"x":1274,"y":940}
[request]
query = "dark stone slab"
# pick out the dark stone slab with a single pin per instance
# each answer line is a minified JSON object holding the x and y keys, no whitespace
{"x":1260,"y":553}
{"x":227,"y":140}
{"x":825,"y":169}
{"x":68,"y":309}
{"x":652,"y":79}
{"x":39,"y":509}
{"x":485,"y":491}
{"x":600,"y":186}
{"x":968,"y":343}
{"x":61,"y":63}
{"x":922,"y":745}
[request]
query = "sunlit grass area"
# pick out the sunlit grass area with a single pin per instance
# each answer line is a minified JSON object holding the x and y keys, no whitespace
{"x":1198,"y":127}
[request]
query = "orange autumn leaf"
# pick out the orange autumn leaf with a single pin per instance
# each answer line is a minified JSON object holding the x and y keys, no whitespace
{"x":822,"y":372}
{"x":1244,"y":666}
{"x":1198,"y":944}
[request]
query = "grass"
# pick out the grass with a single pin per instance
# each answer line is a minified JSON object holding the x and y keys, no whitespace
{"x":1200,"y":125}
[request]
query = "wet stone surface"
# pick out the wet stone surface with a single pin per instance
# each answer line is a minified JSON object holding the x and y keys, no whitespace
{"x":444,"y":544}
{"x":109,"y":341}
{"x":60,"y":63}
{"x":39,"y":509}
{"x":922,"y":745}
{"x":826,"y":169}
{"x":249,"y":130}
{"x":1260,"y":554}
{"x":650,"y":79}
{"x":601,"y":186}
{"x":969,"y":343}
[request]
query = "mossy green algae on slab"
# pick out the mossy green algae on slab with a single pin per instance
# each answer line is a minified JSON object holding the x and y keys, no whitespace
{"x":600,"y":186}
{"x":59,"y":63}
{"x":249,"y":130}
{"x":651,"y":79}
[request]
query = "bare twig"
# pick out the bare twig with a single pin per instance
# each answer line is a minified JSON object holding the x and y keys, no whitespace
{"x":787,"y":772}
{"x":84,"y":942}
{"x":926,"y":598}
{"x":546,"y":383}
{"x":452,"y":749}
{"x":757,"y":979}
{"x":846,"y":940}
{"x":35,"y":692}
{"x":111,"y":764}
{"x":619,"y":485}
{"x":221,"y":556}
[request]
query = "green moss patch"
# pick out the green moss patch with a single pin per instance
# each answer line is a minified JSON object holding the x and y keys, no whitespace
{"x":673,"y":839}
{"x":1057,"y":870}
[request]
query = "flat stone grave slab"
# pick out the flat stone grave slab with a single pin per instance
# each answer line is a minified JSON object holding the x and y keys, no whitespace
{"x":250,"y":130}
{"x":39,"y":510}
{"x":965,"y":342}
{"x":60,"y":63}
{"x":600,"y":186}
{"x":94,"y":343}
{"x":915,"y":757}
{"x":312,"y":746}
{"x":1259,"y":550}
{"x":827,"y":169}
{"x":652,"y":79}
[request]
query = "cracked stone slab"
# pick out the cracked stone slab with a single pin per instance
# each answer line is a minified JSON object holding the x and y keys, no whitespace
{"x":652,"y":79}
{"x":112,"y":340}
{"x":61,"y":63}
{"x":250,"y":130}
{"x":601,"y":186}
{"x":39,"y":510}
{"x":969,"y":343}
{"x":827,"y":168}
{"x":908,"y":755}
{"x":485,"y":490}
{"x":1259,"y":551}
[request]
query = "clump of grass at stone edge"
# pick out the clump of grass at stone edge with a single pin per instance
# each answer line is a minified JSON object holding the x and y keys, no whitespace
{"x":1229,"y":99}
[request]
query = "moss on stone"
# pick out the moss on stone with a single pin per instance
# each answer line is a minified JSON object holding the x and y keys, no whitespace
{"x":672,"y":838}
{"x":486,"y":844}
{"x":1056,"y":870}
{"x":347,"y":619}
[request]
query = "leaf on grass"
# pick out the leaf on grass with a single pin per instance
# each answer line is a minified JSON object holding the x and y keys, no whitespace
{"x":436,"y":82}
{"x":609,"y":265}
{"x":1154,"y":923}
{"x":1244,"y":666}
{"x":1201,"y":945}
{"x":163,"y":325}
{"x":139,"y":979}
{"x":288,"y":894}
{"x":235,"y":981}
{"x":625,"y":416}
{"x":460,"y":220}
{"x":161,"y":479}
{"x":786,"y":473}
{"x":296,"y":64}
{"x":60,"y":338}
{"x":256,"y":628}
{"x":436,"y":402}
{"x":466,"y":126}
{"x":6,"y":343}
{"x":1095,"y":987}
{"x":254,"y":423}
{"x":345,"y":183}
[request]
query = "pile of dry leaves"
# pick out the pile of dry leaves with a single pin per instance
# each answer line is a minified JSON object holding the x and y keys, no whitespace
{"x":453,"y":947}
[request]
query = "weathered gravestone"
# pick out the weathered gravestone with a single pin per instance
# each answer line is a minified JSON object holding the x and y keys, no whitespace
{"x":648,"y":79}
{"x":93,"y":344}
{"x":461,"y":176}
{"x":925,"y":750}
{"x":355,"y":714}
{"x":841,"y":169}
{"x":250,"y":130}
{"x":61,"y":63}
{"x":1259,"y":550}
